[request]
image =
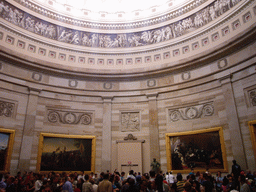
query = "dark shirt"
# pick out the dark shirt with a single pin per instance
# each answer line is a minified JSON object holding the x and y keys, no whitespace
{"x":236,"y":170}
{"x":208,"y":186}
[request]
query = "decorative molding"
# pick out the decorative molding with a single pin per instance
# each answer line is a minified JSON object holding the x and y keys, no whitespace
{"x":7,"y":108}
{"x":69,"y":117}
{"x":130,"y":121}
{"x":125,"y":40}
{"x":130,"y":137}
{"x":112,"y":26}
{"x":191,"y":112}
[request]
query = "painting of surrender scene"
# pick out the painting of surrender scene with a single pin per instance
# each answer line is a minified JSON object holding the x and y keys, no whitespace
{"x":66,"y":153}
{"x":200,"y":150}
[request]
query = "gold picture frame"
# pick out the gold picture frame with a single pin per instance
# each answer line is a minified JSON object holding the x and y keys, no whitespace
{"x":6,"y":146}
{"x":252,"y":127}
{"x":66,"y":153}
{"x":200,"y":150}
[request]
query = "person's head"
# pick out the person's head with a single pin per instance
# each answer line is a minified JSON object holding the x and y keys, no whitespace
{"x":131,"y":172}
{"x":230,"y":178}
{"x":122,"y":173}
{"x":10,"y":180}
{"x":179,"y":177}
{"x":106,"y":176}
{"x":205,"y":176}
{"x":92,"y":181}
{"x":154,"y":159}
{"x":152,"y":173}
{"x":234,"y":161}
{"x":131,"y":181}
{"x":219,"y":174}
{"x":56,"y":179}
{"x":16,"y":181}
{"x":86,"y":177}
{"x":46,"y":188}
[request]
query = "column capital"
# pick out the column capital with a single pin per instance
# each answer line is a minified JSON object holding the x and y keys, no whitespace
{"x":34,"y":91}
{"x":226,"y":79}
{"x":152,"y":96}
{"x":107,"y":99}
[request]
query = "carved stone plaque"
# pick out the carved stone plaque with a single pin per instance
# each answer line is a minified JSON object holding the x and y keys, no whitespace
{"x":130,"y":121}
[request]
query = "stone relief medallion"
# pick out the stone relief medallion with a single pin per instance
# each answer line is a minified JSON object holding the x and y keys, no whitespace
{"x":252,"y":97}
{"x":191,"y":112}
{"x":185,"y":76}
{"x":151,"y":83}
{"x":6,"y":108}
{"x":69,"y":117}
{"x":37,"y":76}
{"x":107,"y":85}
{"x":222,"y":63}
{"x":130,"y":121}
{"x":72,"y":83}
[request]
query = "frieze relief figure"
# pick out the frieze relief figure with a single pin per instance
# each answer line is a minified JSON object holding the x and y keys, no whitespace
{"x":165,"y":33}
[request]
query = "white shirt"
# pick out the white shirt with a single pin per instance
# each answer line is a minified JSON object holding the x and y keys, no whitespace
{"x":171,"y":178}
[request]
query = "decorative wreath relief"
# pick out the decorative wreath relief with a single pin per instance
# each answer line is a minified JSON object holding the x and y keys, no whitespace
{"x":192,"y":112}
{"x":69,"y":117}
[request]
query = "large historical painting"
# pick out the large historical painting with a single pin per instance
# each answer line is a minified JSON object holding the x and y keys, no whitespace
{"x":6,"y":145}
{"x":66,"y":153}
{"x":200,"y":150}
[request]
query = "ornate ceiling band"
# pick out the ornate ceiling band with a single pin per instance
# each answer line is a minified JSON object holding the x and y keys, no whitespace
{"x":112,"y":26}
{"x":124,"y":40}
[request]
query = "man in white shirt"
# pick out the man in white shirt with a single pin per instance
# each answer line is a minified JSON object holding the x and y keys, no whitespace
{"x":171,"y":179}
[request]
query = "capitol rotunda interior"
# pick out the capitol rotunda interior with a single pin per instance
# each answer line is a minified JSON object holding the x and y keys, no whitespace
{"x":96,"y":85}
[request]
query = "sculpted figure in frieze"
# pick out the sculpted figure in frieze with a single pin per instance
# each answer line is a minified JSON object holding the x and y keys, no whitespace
{"x":76,"y":38}
{"x":86,"y":40}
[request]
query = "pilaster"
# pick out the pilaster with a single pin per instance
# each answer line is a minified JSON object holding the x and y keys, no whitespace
{"x":28,"y":130}
{"x":233,"y":121}
{"x":153,"y":126}
{"x":106,"y":134}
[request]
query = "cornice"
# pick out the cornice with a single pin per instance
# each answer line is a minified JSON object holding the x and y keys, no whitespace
{"x":110,"y":25}
{"x":143,"y":47}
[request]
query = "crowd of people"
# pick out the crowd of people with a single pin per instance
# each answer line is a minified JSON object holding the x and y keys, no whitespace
{"x":237,"y":180}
